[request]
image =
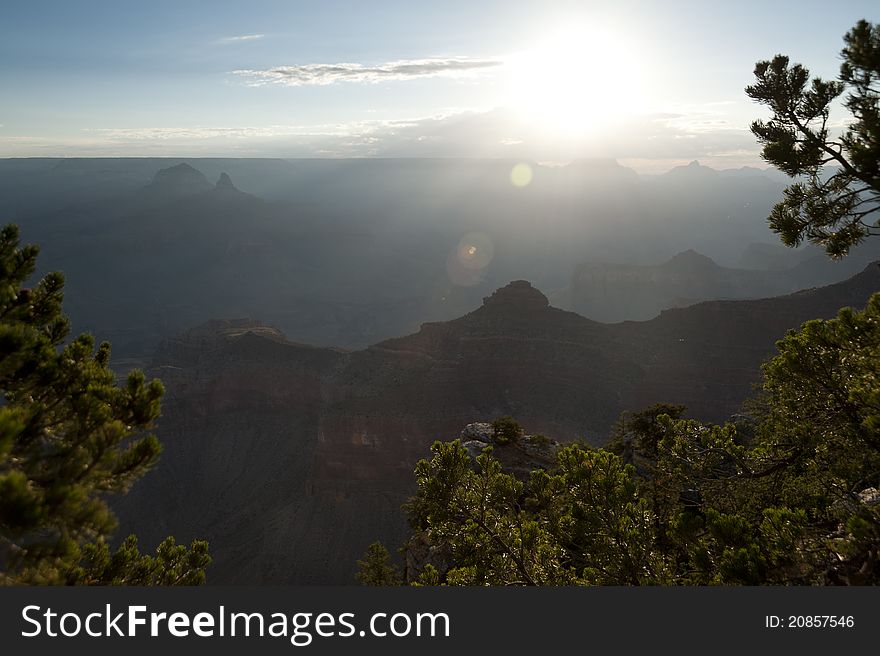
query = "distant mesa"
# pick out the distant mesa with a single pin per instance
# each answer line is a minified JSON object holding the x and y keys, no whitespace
{"x":225,"y":182}
{"x":227,"y":190}
{"x":213,"y":336}
{"x":519,"y":295}
{"x":694,"y":168}
{"x":228,"y":329}
{"x":690,"y":261}
{"x":180,"y":180}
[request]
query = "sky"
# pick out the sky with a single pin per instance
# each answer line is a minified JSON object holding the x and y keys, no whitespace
{"x":651,"y":84}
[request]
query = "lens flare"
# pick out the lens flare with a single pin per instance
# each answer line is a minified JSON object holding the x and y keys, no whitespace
{"x":521,"y":175}
{"x":468,"y":262}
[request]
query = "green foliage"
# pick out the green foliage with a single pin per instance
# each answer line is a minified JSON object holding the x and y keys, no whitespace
{"x":821,"y":437}
{"x":790,"y":507}
{"x":635,"y":438}
{"x":794,"y":501}
{"x":376,"y":569}
{"x":173,"y":564}
{"x":506,"y":430}
{"x":478,"y":513}
{"x":636,"y":435}
{"x":539,"y":440}
{"x":69,"y":435}
{"x":581,"y":524}
{"x":429,"y":576}
{"x":730,"y":549}
{"x":591,"y":506}
{"x":828,"y":207}
{"x":827,"y":377}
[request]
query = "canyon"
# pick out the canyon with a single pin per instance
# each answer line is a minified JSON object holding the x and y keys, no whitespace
{"x":291,"y":459}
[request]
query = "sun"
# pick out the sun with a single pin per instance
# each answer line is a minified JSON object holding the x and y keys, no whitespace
{"x":575,"y":80}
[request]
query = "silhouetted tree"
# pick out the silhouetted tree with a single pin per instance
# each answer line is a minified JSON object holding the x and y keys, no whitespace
{"x":69,"y":437}
{"x":635,"y":435}
{"x":833,"y":204}
{"x":173,"y":564}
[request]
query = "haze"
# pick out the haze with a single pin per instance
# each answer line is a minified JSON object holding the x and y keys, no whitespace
{"x":340,"y":232}
{"x":653,"y":85}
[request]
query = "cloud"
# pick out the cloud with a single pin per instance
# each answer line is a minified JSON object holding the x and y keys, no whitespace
{"x":504,"y":133}
{"x":242,"y":37}
{"x":404,"y":69}
{"x":196,"y":133}
{"x":650,"y":142}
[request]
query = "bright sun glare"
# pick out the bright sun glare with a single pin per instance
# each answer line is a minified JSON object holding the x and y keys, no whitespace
{"x":575,"y":80}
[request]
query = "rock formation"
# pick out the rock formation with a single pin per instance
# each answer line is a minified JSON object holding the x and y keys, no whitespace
{"x":179,"y":180}
{"x":618,"y":292}
{"x":292,"y":459}
{"x":224,"y":182}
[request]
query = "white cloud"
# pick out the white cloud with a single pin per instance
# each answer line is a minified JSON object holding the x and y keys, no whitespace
{"x":404,"y":69}
{"x":242,"y":37}
{"x":197,"y":132}
{"x":650,"y":142}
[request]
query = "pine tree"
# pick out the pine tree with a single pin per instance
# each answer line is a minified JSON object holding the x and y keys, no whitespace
{"x":506,"y":430}
{"x":173,"y":564}
{"x":69,"y":435}
{"x":375,"y":568}
{"x":839,"y":191}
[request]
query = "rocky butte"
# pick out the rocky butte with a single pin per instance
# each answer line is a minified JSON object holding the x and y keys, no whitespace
{"x":291,"y":459}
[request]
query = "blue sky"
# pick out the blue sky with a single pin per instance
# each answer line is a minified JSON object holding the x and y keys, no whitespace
{"x":650,"y":83}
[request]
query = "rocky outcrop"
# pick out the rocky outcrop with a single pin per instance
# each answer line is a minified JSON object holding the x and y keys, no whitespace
{"x":240,"y":426}
{"x":292,"y":459}
{"x":520,"y":456}
{"x":178,"y":181}
{"x":226,"y":190}
{"x":618,"y":292}
{"x":517,"y":297}
{"x":224,"y":182}
{"x":480,"y":431}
